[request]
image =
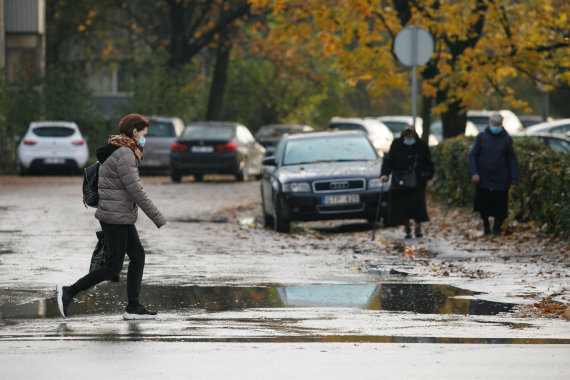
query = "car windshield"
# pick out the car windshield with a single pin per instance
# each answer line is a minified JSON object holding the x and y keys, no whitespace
{"x":328,"y":149}
{"x":221,"y":132}
{"x":160,"y":129}
{"x":54,"y":131}
{"x":395,"y":126}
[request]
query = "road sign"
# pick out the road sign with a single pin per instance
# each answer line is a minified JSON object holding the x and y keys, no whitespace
{"x":413,"y":46}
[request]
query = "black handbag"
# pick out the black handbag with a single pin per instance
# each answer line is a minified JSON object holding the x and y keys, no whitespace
{"x":405,"y":179}
{"x":100,"y":256}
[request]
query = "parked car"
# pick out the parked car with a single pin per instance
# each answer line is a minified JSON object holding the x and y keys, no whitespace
{"x":511,"y":122}
{"x":269,"y":135}
{"x":322,"y":176}
{"x":52,"y":145}
{"x":162,"y":133}
{"x":559,"y":143}
{"x":561,"y":126}
{"x":397,"y":122}
{"x":380,"y":136}
{"x":436,"y":129}
{"x":216,"y":148}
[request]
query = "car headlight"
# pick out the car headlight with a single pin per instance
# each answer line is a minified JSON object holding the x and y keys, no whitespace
{"x":296,"y":187}
{"x":374,"y":183}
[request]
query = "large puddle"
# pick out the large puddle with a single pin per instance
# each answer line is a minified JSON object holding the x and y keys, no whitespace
{"x":109,"y":298}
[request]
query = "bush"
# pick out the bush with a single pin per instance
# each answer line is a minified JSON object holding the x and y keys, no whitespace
{"x":543,"y":193}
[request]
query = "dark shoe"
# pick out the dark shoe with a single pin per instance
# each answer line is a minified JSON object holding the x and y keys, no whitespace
{"x":408,"y":232}
{"x":418,"y":232}
{"x":138,"y":312}
{"x":63,"y":299}
{"x":496,"y":232}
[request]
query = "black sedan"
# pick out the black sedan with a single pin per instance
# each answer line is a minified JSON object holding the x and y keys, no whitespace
{"x":322,"y":176}
{"x":216,"y":148}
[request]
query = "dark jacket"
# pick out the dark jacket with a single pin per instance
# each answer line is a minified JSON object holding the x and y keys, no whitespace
{"x":401,"y":157}
{"x":493,"y":158}
{"x":120,"y":189}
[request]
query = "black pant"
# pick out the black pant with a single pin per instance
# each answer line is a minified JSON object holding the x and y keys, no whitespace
{"x":119,"y":239}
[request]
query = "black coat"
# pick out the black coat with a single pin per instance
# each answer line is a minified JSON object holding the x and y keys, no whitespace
{"x":401,"y":157}
{"x":408,"y":204}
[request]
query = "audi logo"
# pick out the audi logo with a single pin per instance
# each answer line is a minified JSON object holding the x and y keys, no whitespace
{"x":339,"y":185}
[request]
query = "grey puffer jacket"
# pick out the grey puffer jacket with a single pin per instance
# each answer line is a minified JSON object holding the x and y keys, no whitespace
{"x":120,"y":189}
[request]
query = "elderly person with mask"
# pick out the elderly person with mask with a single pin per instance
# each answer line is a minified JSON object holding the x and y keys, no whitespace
{"x":493,"y":168}
{"x":408,"y":154}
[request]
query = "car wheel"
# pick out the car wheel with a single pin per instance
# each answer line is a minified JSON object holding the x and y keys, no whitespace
{"x":21,"y":169}
{"x":242,"y":174}
{"x":281,"y":224}
{"x":198,"y":177}
{"x":176,"y":177}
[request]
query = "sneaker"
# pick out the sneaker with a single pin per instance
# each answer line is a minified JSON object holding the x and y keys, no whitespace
{"x":63,"y":299}
{"x":138,"y":312}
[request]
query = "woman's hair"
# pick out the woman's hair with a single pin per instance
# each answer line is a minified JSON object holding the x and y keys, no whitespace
{"x":408,"y":131}
{"x":131,"y":122}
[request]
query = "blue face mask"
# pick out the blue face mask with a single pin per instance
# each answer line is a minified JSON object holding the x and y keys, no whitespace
{"x":495,"y":130}
{"x":409,"y":142}
{"x":142,"y":140}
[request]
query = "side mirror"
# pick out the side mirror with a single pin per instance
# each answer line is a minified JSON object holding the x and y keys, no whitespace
{"x":269,"y":161}
{"x":17,"y":139}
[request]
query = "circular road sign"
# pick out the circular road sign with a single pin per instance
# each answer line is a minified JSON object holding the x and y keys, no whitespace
{"x":413,"y":46}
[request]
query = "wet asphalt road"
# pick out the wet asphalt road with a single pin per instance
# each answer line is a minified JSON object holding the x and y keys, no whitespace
{"x":323,"y":297}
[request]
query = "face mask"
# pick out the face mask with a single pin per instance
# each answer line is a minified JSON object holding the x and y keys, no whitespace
{"x":409,"y":142}
{"x":495,"y":130}
{"x":142,"y":140}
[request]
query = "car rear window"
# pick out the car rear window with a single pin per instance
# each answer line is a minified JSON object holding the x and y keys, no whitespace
{"x":395,"y":126}
{"x":347,"y":127}
{"x":328,"y":149}
{"x":479,"y":121}
{"x":160,"y":129}
{"x":53,"y":131}
{"x":213,"y":132}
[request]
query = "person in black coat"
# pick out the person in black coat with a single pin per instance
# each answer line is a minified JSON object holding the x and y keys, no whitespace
{"x":408,"y":152}
{"x":493,"y":168}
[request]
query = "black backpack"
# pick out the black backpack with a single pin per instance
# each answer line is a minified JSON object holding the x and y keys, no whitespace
{"x":91,"y":185}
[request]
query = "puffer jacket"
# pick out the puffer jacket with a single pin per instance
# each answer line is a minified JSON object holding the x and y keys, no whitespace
{"x":493,"y":158}
{"x":120,"y":189}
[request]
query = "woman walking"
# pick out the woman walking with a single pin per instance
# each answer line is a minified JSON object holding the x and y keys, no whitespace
{"x":120,"y":196}
{"x":493,"y":167}
{"x":408,"y":154}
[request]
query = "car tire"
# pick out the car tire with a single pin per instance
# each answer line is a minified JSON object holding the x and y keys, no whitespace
{"x":280,"y":223}
{"x":21,"y":170}
{"x":198,"y":177}
{"x":176,"y":177}
{"x":242,"y":175}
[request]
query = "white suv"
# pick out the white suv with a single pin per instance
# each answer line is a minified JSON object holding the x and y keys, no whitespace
{"x":52,"y":145}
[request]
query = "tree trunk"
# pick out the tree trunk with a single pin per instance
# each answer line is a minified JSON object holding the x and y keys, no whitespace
{"x":426,"y":116}
{"x":219,"y":79}
{"x":454,"y":120}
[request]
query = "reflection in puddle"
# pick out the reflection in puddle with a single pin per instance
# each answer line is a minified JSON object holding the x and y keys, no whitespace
{"x":417,"y":298}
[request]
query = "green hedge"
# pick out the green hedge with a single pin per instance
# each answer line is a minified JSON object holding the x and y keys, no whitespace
{"x":543,"y":194}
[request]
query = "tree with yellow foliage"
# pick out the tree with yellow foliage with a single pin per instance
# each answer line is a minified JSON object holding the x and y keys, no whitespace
{"x":480,"y":45}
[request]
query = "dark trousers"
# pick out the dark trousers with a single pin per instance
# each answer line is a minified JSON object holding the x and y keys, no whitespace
{"x":120,"y":239}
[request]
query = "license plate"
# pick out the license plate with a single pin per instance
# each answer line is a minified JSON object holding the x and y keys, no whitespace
{"x":341,"y":199}
{"x":202,"y":149}
{"x":54,"y":160}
